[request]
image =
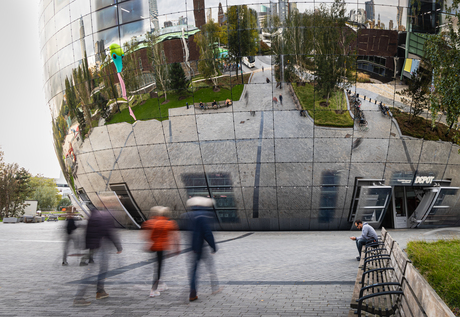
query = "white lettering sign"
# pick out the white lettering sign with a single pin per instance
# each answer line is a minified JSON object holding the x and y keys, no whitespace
{"x":424,"y":179}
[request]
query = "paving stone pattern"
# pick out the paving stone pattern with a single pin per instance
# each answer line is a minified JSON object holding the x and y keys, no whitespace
{"x":262,"y":274}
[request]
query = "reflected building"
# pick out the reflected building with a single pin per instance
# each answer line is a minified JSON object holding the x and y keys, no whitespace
{"x":370,"y":10}
{"x":265,"y":140}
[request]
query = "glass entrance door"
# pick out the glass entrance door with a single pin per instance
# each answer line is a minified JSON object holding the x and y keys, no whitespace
{"x":399,"y":207}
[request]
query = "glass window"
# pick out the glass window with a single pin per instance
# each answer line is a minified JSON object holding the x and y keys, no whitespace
{"x":66,"y":72}
{"x":43,"y":46}
{"x":132,"y":10}
{"x":62,"y":18}
{"x":53,"y":64}
{"x":108,"y":37}
{"x":99,"y":4}
{"x":89,"y":45}
{"x":105,"y":18}
{"x":49,"y":12}
{"x":77,"y":50}
{"x":64,"y":37}
{"x":55,"y":83}
{"x":46,"y":72}
{"x":127,"y":31}
{"x":66,"y":56}
{"x":49,"y":29}
{"x":81,"y":27}
{"x":59,"y":4}
{"x":79,"y":8}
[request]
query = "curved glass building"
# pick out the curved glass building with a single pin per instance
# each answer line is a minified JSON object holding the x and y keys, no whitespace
{"x":291,"y":115}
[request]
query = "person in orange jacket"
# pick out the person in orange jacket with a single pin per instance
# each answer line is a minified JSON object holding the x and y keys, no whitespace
{"x":162,"y":235}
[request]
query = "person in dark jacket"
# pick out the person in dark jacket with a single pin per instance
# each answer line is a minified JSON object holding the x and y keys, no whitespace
{"x":199,"y":218}
{"x":70,"y":235}
{"x":99,"y":231}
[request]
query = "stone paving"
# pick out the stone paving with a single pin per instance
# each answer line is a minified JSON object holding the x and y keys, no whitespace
{"x":262,"y":273}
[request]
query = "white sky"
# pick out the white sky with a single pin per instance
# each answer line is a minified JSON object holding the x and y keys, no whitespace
{"x":25,"y":120}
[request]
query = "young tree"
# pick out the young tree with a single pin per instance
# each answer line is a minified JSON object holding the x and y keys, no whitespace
{"x":242,"y":32}
{"x":298,"y":36}
{"x":177,"y":77}
{"x":70,"y":97}
{"x":131,"y":67}
{"x":109,"y":90}
{"x":332,"y":39}
{"x":83,"y":90}
{"x":442,"y":53}
{"x":157,"y":57}
{"x":206,"y":41}
{"x":416,"y":94}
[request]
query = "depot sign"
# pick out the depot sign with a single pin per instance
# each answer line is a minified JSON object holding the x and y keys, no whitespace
{"x":423,"y":180}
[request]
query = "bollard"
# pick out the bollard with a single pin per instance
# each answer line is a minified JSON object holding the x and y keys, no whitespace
{"x":364,"y":97}
{"x":370,"y":99}
{"x":375,"y":101}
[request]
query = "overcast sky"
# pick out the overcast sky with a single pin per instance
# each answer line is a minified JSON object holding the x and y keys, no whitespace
{"x":25,"y":120}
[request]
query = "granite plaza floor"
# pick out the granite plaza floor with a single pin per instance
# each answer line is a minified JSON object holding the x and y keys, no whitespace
{"x":262,"y":274}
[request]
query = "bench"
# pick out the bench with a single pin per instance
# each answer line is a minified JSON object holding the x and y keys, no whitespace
{"x":219,"y":104}
{"x":387,"y":284}
{"x":52,"y":218}
{"x":378,"y":288}
{"x":10,"y":220}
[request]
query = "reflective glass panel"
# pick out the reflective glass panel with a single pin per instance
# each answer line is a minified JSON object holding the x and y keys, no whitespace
{"x":132,"y":10}
{"x":105,"y":18}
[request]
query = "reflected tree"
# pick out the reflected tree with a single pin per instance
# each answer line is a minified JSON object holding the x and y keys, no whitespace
{"x":207,"y":42}
{"x":242,"y":32}
{"x":132,"y":65}
{"x":157,"y":58}
{"x":83,"y":86}
{"x":442,"y":53}
{"x":332,"y":47}
{"x":416,"y":94}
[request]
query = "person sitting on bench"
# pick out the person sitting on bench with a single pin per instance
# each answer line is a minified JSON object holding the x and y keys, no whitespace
{"x":368,"y":236}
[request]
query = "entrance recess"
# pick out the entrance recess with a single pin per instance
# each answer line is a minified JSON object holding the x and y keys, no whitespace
{"x":433,"y":207}
{"x":370,"y":201}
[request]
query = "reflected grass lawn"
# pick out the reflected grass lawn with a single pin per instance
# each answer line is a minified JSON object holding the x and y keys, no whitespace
{"x":335,"y":114}
{"x":154,"y":108}
{"x":439,"y":263}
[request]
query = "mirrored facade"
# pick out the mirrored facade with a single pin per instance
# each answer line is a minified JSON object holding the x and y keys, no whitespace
{"x":291,"y":115}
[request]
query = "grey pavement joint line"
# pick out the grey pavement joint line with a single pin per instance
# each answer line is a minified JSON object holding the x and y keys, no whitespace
{"x":255,"y":208}
{"x":134,"y":266}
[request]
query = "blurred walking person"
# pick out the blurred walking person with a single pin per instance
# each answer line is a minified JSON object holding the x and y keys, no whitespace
{"x":199,"y":216}
{"x":163,"y":234}
{"x":99,"y":232}
{"x":70,"y":227}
